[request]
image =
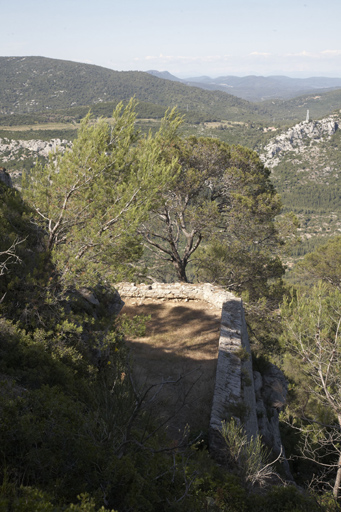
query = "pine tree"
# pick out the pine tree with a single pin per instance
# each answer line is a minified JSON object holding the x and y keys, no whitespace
{"x":91,"y":199}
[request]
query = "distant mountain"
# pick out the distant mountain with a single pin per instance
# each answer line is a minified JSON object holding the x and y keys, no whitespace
{"x":37,"y":84}
{"x":165,"y":75}
{"x":32,"y":85}
{"x":260,"y":88}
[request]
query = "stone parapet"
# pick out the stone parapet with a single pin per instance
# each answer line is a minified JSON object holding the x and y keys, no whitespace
{"x":234,"y":393}
{"x":209,"y":293}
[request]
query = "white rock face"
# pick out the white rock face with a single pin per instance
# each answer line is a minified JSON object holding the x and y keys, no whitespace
{"x":296,"y":139}
{"x":21,"y":149}
{"x":207,"y":292}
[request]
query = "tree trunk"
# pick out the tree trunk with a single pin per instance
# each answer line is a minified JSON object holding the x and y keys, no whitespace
{"x":338,"y":473}
{"x":337,"y":480}
{"x":180,"y":267}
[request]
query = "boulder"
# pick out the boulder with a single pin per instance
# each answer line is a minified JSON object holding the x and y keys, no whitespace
{"x":5,"y":177}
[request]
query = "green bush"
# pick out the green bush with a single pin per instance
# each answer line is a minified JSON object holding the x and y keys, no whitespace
{"x":285,"y":499}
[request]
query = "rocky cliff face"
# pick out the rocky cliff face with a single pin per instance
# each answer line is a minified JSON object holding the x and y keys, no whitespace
{"x":297,"y":138}
{"x":305,"y":163}
{"x":18,"y":151}
{"x":21,"y":149}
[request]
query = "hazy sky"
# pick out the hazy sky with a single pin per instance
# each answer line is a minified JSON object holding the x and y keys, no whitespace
{"x":299,"y":38}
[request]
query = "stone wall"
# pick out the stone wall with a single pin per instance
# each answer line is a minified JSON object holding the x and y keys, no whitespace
{"x":252,"y":398}
{"x":234,"y":388}
{"x":234,"y":393}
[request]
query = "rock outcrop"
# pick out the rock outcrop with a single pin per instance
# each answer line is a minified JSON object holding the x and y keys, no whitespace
{"x":296,"y":139}
{"x":21,"y":149}
{"x":5,"y":177}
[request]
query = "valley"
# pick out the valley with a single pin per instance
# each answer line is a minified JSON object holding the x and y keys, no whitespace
{"x":304,"y":158}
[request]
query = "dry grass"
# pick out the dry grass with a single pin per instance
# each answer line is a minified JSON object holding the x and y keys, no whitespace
{"x":178,"y":355}
{"x":42,"y":126}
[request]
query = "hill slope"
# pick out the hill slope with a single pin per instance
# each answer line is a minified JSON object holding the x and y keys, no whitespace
{"x":306,"y":169}
{"x":36,"y":84}
{"x":258,"y":88}
{"x":39,"y":84}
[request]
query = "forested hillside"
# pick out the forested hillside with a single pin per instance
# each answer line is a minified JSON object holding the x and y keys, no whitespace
{"x":306,"y":164}
{"x":36,"y":84}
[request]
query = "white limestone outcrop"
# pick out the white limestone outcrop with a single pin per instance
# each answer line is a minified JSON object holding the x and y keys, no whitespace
{"x":297,"y":138}
{"x":11,"y":149}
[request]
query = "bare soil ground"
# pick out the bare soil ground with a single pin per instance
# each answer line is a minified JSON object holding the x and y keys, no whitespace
{"x":178,"y":356}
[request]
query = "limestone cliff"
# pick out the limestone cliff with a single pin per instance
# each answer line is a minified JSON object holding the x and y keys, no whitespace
{"x":16,"y":152}
{"x":299,"y":137}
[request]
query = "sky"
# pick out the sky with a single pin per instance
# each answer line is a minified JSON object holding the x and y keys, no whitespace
{"x":188,"y":38}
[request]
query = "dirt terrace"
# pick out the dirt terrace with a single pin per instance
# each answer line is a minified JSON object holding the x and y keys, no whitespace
{"x":179,"y":356}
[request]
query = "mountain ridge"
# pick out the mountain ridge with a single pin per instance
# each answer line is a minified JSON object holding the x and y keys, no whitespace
{"x":35,"y":84}
{"x":259,"y":88}
{"x":40,"y":84}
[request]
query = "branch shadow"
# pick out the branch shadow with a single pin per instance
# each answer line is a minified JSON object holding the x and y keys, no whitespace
{"x":178,"y":357}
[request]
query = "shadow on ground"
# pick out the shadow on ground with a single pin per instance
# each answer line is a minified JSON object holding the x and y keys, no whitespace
{"x":177,"y":359}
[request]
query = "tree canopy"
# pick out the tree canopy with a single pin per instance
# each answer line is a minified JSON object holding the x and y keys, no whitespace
{"x":324,"y":263}
{"x":311,"y":318}
{"x":91,"y":198}
{"x":218,"y":214}
{"x":312,"y":327}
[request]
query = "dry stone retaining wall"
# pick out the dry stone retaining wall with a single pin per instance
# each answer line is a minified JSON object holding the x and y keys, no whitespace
{"x":234,"y":393}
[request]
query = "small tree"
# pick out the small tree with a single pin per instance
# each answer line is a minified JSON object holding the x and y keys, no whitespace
{"x":312,"y":326}
{"x":244,"y":253}
{"x":16,"y":237}
{"x":91,"y":199}
{"x":222,"y":200}
{"x":185,"y":213}
{"x":324,"y":263}
{"x":249,"y":456}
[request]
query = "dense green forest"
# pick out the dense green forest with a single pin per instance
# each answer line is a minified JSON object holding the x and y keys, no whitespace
{"x":75,"y":434}
{"x":308,"y":182}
